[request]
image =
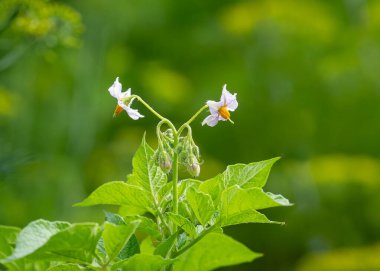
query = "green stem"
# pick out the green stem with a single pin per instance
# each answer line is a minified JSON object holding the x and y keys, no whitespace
{"x":149,"y":107}
{"x":176,"y":134}
{"x":158,"y":133}
{"x":169,"y":123}
{"x":174,"y":166}
{"x":196,"y":240}
{"x":175,"y":179}
{"x":192,"y":119}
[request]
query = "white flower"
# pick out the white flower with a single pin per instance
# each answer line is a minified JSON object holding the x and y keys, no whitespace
{"x":123,"y":100}
{"x":221,"y":110}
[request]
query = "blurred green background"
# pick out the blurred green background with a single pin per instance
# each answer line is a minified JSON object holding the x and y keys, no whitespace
{"x":307,"y":78}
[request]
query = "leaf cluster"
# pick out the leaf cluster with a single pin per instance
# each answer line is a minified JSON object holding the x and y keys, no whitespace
{"x":191,"y":239}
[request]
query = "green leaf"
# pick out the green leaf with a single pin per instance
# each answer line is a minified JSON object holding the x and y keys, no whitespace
{"x":165,"y":246}
{"x":185,"y":210}
{"x":182,"y":240}
{"x":146,"y":173}
{"x":201,"y":204}
{"x":68,"y":267}
{"x":5,"y":248}
{"x":186,"y":184}
{"x":35,"y":235}
{"x":132,"y":247}
{"x":143,"y":262}
{"x":114,"y":218}
{"x":115,"y":237}
{"x":9,"y":233}
{"x":214,"y":187}
{"x":27,"y":265}
{"x":213,"y":251}
{"x":164,"y":195}
{"x":119,"y":193}
{"x":100,"y":249}
{"x":147,"y":226}
{"x":236,"y":200}
{"x":8,"y":236}
{"x":251,"y":175}
{"x":247,"y":216}
{"x":279,"y":199}
{"x":58,"y":241}
{"x":183,"y":223}
{"x":128,"y":210}
{"x":147,"y":246}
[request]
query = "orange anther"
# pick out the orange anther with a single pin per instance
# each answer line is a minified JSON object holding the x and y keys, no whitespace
{"x":223,"y":111}
{"x":118,"y":110}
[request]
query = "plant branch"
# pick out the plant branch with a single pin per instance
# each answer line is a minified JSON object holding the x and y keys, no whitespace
{"x":196,"y":240}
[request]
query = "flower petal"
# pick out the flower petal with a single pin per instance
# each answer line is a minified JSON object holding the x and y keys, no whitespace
{"x":125,"y":94}
{"x":211,"y":120}
{"x":229,"y":99}
{"x":214,"y":106}
{"x":133,"y":113}
{"x":115,"y":89}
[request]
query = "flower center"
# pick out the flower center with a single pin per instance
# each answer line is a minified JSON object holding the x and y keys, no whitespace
{"x":223,"y":111}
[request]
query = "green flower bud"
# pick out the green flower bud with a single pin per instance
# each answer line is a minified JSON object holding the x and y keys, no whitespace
{"x":165,"y":162}
{"x":193,"y":166}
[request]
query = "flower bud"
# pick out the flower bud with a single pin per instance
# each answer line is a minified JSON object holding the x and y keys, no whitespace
{"x":165,"y":162}
{"x":193,"y":167}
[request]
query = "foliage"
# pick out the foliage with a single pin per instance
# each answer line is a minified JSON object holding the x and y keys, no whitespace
{"x":183,"y":220}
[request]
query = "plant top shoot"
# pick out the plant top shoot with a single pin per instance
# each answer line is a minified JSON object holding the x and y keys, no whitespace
{"x":162,"y":223}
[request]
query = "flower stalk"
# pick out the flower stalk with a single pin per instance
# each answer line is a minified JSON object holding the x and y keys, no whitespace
{"x":174,"y":149}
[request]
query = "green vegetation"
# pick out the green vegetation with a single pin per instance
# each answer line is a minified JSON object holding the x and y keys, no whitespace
{"x":185,"y":234}
{"x":307,"y":72}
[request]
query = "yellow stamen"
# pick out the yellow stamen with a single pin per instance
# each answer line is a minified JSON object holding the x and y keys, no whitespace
{"x":117,"y":111}
{"x":223,"y":111}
